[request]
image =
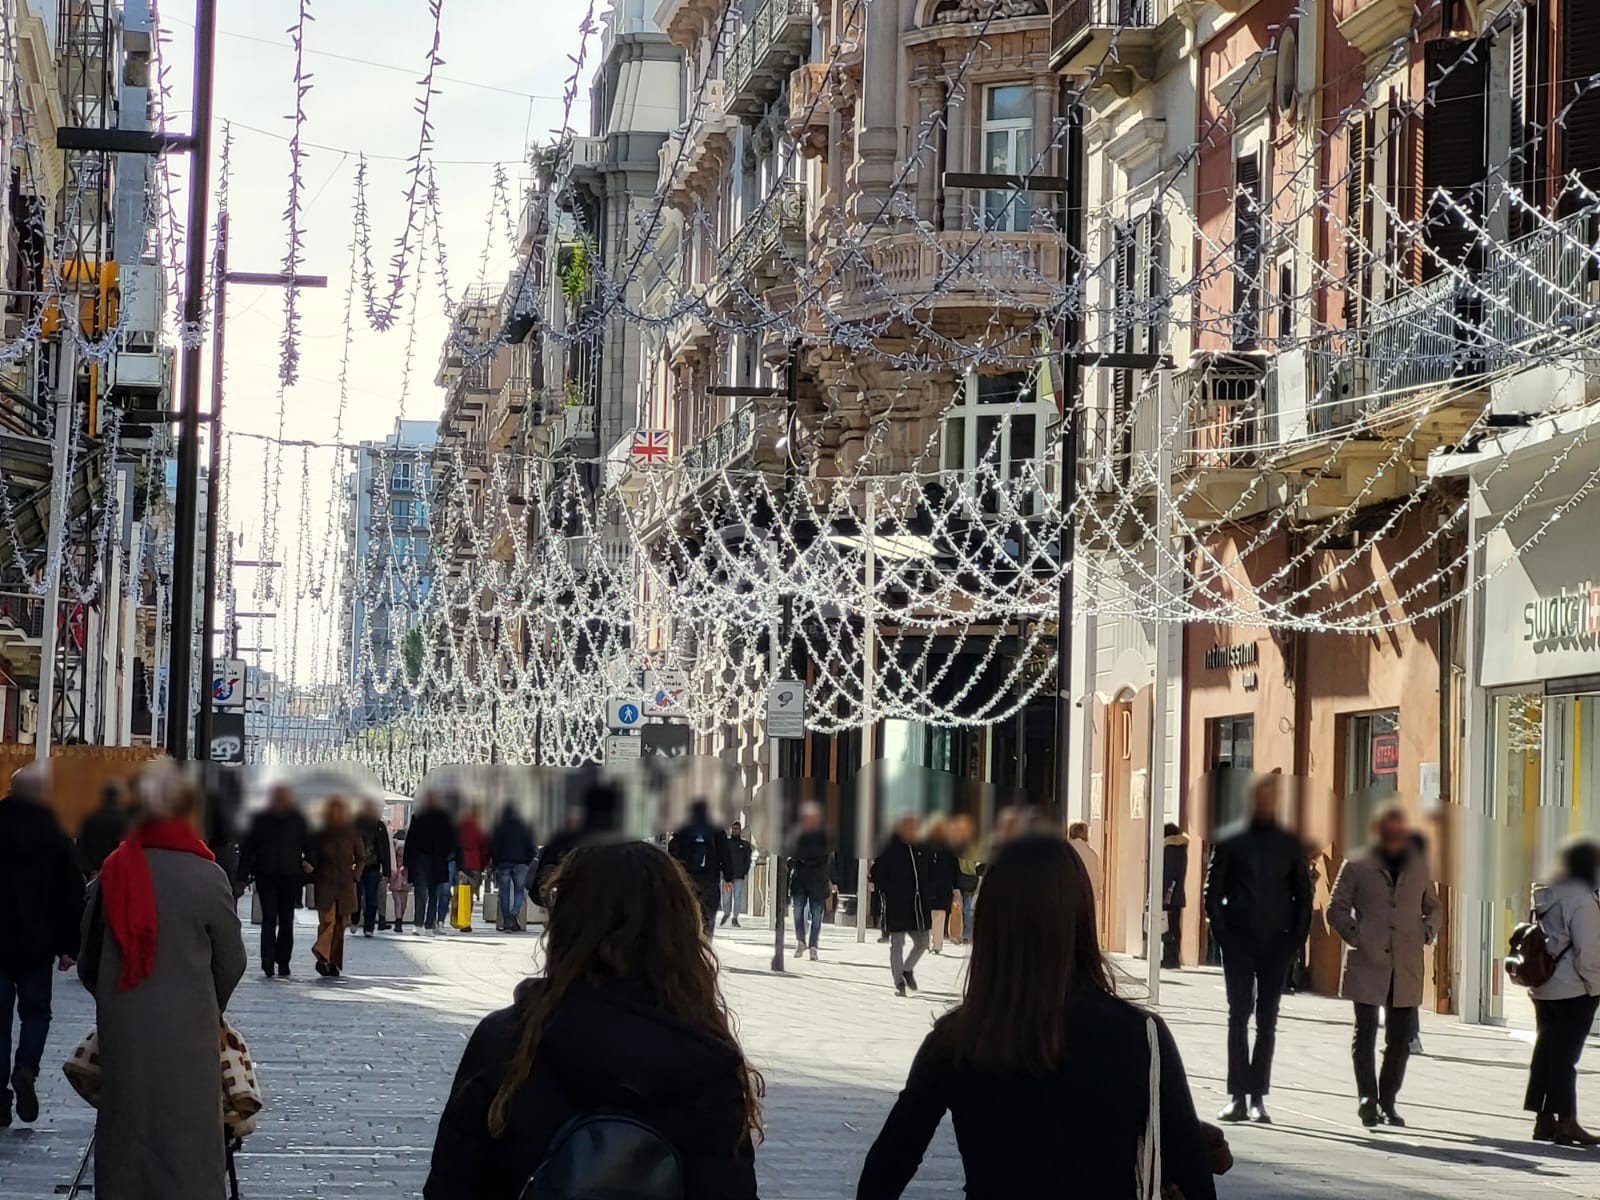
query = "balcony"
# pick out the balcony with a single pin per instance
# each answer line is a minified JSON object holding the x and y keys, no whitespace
{"x":748,"y":438}
{"x":510,"y":405}
{"x":577,"y":429}
{"x":588,"y":155}
{"x":769,"y":46}
{"x":810,"y":106}
{"x":968,"y":269}
{"x":692,"y":164}
{"x":768,"y":248}
{"x":1116,"y":40}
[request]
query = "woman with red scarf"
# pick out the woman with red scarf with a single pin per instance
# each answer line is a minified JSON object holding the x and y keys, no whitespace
{"x":162,"y":953}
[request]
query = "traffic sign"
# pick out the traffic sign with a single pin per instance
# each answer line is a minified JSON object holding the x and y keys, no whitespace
{"x":624,"y":714}
{"x":786,"y":709}
{"x":227,"y":683}
{"x":665,"y":693}
{"x":624,"y":747}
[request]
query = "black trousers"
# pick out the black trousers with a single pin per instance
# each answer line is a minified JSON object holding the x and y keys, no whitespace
{"x":1553,"y":1074}
{"x":279,"y":895}
{"x":1399,"y":1024}
{"x":1172,"y":939}
{"x":1254,"y":973}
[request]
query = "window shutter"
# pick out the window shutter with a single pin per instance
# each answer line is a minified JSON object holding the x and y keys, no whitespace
{"x":1124,"y":247}
{"x":1454,"y":157}
{"x":1155,"y":249}
{"x":1358,"y":176}
{"x":1247,"y":249}
{"x":1580,"y":97}
{"x":1521,"y":168}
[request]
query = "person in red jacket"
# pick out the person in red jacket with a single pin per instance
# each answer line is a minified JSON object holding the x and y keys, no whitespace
{"x":474,"y":849}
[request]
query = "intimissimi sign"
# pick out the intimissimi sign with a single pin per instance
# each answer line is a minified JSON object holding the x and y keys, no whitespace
{"x":1220,"y":658}
{"x":1568,"y":620}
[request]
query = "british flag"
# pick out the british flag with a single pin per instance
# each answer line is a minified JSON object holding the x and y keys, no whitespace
{"x":650,"y":447}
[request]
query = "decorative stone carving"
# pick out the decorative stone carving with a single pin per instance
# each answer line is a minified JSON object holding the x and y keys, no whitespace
{"x":964,"y":12}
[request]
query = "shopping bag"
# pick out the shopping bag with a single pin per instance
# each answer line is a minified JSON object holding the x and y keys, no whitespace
{"x":255,"y":906}
{"x":461,"y":908}
{"x":491,"y":905}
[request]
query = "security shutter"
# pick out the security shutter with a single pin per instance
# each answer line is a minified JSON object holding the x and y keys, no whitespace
{"x":1454,"y":156}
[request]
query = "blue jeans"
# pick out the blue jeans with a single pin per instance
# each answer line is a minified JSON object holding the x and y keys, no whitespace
{"x":443,"y":894}
{"x":804,"y":901}
{"x":371,"y":885}
{"x":969,"y":905}
{"x":512,"y":882}
{"x":29,"y":994}
{"x":433,"y":902}
{"x":733,"y":899}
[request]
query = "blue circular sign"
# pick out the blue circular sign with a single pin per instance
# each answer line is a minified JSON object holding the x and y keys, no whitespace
{"x":628,"y":714}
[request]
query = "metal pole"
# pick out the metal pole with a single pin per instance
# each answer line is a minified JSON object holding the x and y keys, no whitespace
{"x":186,"y":529}
{"x":208,"y":625}
{"x":1156,"y":808}
{"x":60,"y":494}
{"x":776,"y":874}
{"x":1071,"y":380}
{"x":866,"y":790}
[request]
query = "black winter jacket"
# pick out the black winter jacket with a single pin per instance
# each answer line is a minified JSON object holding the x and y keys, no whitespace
{"x":430,"y":845}
{"x":277,"y":846}
{"x":512,"y":843}
{"x":1175,"y":872}
{"x":375,"y":842}
{"x":41,"y":888}
{"x":102,"y":832}
{"x":810,"y":863}
{"x":939,"y":875}
{"x":701,"y":849}
{"x":1258,"y":889}
{"x":603,"y":1051}
{"x":736,"y":862}
{"x":1073,"y":1135}
{"x":900,"y":875}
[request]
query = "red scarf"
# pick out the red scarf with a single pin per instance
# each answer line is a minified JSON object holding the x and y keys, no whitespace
{"x":128,"y":898}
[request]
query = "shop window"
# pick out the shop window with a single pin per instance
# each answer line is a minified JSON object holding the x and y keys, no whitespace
{"x":1231,"y":742}
{"x":1372,"y":770}
{"x":1230,"y":762}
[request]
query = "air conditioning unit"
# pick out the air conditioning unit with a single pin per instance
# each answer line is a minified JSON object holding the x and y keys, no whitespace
{"x":143,"y":372}
{"x":1339,"y":403}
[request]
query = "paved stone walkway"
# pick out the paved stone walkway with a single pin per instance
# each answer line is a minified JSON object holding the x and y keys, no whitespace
{"x":357,"y":1070}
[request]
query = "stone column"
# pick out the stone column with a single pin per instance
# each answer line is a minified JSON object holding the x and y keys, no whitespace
{"x":1045,"y":90}
{"x":958,"y":150}
{"x":877,"y":143}
{"x":930,"y":94}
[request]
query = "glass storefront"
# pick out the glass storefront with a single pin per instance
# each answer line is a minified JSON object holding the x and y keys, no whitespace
{"x":1544,"y":785}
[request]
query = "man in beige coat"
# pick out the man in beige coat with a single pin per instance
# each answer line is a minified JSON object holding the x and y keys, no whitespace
{"x":1385,"y":909}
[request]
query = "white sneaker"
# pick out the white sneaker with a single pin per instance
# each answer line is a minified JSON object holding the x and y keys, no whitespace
{"x":813,"y":954}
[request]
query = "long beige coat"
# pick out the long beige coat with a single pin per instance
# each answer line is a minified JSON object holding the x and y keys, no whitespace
{"x":1385,"y":926}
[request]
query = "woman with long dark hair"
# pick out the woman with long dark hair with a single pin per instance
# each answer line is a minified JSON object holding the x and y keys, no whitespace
{"x":1046,"y":1074}
{"x":626,"y":1020}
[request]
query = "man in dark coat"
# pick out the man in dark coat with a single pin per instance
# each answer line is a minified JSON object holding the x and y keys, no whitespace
{"x":898,"y":874}
{"x":1258,"y":900}
{"x":701,"y":848}
{"x":41,"y":895}
{"x":938,"y":881}
{"x":735,"y":872}
{"x":103,"y":829}
{"x":375,"y":867}
{"x":810,"y":877}
{"x":276,"y":856}
{"x":1174,"y":892}
{"x":512,"y":850}
{"x":430,"y":847}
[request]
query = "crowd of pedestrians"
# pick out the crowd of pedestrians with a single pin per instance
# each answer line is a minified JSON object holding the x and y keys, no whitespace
{"x":621,"y":1053}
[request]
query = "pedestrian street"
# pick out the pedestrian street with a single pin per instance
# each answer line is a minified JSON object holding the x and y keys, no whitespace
{"x":356,"y":1070}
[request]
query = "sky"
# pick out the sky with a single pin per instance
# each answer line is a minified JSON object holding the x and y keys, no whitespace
{"x":505,"y":68}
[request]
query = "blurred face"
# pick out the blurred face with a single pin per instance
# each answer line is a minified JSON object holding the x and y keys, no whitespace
{"x":370,"y":811}
{"x":1394,"y":834}
{"x":282,"y":800}
{"x":810,"y":817}
{"x":736,"y":829}
{"x":906,"y":827}
{"x":1264,"y":800}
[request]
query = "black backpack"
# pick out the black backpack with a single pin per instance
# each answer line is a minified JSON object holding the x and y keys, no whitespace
{"x":607,"y":1156}
{"x":1529,"y":961}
